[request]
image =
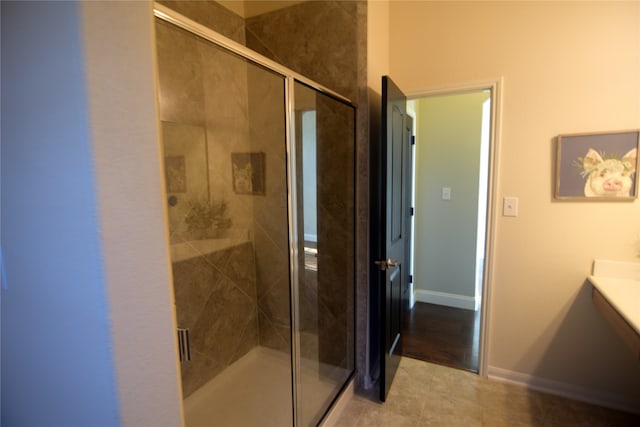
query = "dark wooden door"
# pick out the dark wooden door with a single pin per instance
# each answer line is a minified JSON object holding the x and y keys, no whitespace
{"x":390,"y":249}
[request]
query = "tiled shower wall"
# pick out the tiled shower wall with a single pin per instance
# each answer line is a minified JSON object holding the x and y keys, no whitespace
{"x":318,"y":39}
{"x":270,"y":225}
{"x":190,"y":97}
{"x":326,"y":41}
{"x":336,"y":245}
{"x":216,"y":300}
{"x":216,"y":294}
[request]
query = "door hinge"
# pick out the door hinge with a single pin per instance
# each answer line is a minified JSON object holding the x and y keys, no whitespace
{"x":413,"y":140}
{"x":411,"y":211}
{"x":411,"y":278}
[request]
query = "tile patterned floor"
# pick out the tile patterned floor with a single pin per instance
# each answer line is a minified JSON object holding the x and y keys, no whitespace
{"x":425,"y":394}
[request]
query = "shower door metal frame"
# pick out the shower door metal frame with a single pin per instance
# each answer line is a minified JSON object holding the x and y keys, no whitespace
{"x":290,"y":78}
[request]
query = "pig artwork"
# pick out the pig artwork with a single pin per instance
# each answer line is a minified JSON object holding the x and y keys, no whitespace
{"x":610,"y":176}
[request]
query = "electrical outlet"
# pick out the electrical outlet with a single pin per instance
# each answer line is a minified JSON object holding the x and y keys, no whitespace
{"x":510,"y":206}
{"x":446,"y":193}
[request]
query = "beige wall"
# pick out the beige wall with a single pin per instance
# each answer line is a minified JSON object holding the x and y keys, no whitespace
{"x":249,"y":8}
{"x":377,"y":43}
{"x":120,"y":69}
{"x":567,"y":67}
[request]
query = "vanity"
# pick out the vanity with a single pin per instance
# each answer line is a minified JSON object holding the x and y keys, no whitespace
{"x":616,"y":295}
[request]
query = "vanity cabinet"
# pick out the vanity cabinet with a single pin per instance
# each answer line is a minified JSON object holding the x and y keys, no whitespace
{"x":628,"y":334}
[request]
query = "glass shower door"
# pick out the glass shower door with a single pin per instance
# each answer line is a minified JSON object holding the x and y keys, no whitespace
{"x":224,"y":137}
{"x":325,"y":135}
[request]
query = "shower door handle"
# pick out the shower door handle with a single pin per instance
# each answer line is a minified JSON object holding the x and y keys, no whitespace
{"x":184,"y":345}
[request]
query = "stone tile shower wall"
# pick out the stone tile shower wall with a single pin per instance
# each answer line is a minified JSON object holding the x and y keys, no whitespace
{"x":269,"y":219}
{"x":216,"y":300}
{"x":194,"y":79}
{"x":271,"y":238}
{"x":326,"y":41}
{"x":318,"y":39}
{"x":336,"y":244}
{"x":237,"y":298}
{"x":216,"y":294}
{"x":212,"y":15}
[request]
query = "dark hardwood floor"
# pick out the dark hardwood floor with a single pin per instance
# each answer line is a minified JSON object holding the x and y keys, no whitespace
{"x":444,"y":335}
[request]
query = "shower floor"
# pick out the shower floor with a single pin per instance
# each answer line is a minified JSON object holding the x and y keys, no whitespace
{"x":256,"y":391}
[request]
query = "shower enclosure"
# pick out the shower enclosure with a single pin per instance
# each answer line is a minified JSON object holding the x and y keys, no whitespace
{"x":259,"y":169}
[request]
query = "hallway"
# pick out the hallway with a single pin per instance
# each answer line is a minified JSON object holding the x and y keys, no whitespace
{"x":444,"y":335}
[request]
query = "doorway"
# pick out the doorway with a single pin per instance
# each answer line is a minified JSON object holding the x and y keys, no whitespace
{"x":453,"y":168}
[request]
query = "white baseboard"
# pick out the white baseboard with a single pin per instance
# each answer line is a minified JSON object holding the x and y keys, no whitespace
{"x":443,"y":298}
{"x":571,"y":391}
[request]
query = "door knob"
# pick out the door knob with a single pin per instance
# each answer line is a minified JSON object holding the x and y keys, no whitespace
{"x":385,"y":265}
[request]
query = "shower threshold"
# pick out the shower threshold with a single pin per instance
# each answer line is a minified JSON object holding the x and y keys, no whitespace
{"x":256,"y":391}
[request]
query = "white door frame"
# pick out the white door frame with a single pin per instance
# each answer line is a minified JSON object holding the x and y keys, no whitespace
{"x":495,"y":86}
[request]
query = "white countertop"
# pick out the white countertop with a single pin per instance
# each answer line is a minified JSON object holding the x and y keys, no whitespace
{"x":623,"y":294}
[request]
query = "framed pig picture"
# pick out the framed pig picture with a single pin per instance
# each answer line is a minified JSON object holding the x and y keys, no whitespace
{"x":597,"y":166}
{"x":248,"y":173}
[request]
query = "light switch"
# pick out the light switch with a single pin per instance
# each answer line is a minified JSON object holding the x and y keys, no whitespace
{"x":510,"y":206}
{"x":446,"y":193}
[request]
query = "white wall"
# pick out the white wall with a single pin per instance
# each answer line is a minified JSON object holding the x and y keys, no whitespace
{"x":87,"y":327}
{"x":447,"y":155}
{"x":567,"y":67}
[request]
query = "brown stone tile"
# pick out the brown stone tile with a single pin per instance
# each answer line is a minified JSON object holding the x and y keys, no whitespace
{"x":316,"y":39}
{"x":210,"y":14}
{"x":275,"y":303}
{"x":192,"y":281}
{"x":273,"y":336}
{"x":226,"y":312}
{"x":240,"y":268}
